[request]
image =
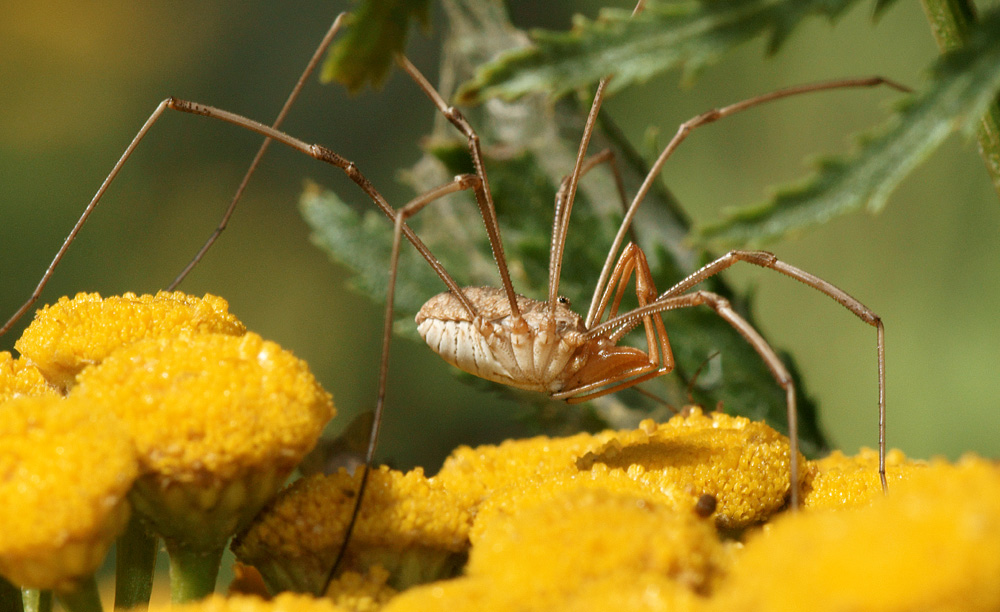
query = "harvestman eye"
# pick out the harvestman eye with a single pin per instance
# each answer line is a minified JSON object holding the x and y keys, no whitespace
{"x":539,"y":345}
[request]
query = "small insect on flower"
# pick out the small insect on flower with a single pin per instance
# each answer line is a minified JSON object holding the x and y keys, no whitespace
{"x":540,"y":345}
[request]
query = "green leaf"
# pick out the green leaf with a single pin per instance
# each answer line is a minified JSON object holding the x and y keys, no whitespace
{"x":963,"y":84}
{"x":664,"y":36}
{"x":362,"y":242}
{"x":378,"y":31}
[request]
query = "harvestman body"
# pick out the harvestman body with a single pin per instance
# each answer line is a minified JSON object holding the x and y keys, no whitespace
{"x":537,"y":345}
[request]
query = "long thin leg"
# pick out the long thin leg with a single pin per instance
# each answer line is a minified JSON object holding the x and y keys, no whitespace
{"x":606,"y":156}
{"x":83,"y":218}
{"x":484,"y":198}
{"x":725,"y":310}
{"x":460,"y":183}
{"x":564,"y":206}
{"x":315,"y":151}
{"x":778,"y":370}
{"x":768,"y":260}
{"x":703,"y":119}
{"x":153,"y":118}
{"x":306,"y":73}
{"x":633,"y":260}
{"x":764,"y":259}
{"x":659,"y":354}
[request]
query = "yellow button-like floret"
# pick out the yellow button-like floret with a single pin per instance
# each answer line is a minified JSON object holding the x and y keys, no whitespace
{"x":73,"y":333}
{"x":580,"y":550}
{"x":473,"y":474}
{"x":18,"y":378}
{"x":219,"y":422}
{"x":741,"y":466}
{"x":407,"y":525}
{"x":65,"y":469}
{"x":362,"y":592}
{"x":841,"y":481}
{"x":930,"y":545}
{"x":211,"y":404}
{"x":286,"y":602}
{"x":565,"y":539}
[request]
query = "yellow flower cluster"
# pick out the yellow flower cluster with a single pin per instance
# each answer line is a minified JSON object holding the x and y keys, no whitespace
{"x":407,"y":524}
{"x":620,"y":519}
{"x":212,"y":420}
{"x":740,"y":465}
{"x":932,"y":544}
{"x":71,"y":334}
{"x":838,"y":481}
{"x":286,"y":602}
{"x":362,"y":592}
{"x":199,"y":428}
{"x":18,"y":378}
{"x":195,"y":404}
{"x":585,"y":549}
{"x":65,"y":469}
{"x":524,"y":499}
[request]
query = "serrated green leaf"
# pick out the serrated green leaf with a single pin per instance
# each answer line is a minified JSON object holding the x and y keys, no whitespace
{"x":664,"y":36}
{"x":964,"y":83}
{"x":378,"y":30}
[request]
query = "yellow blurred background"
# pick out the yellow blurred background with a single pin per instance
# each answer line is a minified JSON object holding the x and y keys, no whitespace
{"x":78,"y":79}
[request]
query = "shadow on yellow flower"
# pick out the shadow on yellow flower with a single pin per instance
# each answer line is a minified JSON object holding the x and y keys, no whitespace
{"x":740,"y":464}
{"x":415,"y":529}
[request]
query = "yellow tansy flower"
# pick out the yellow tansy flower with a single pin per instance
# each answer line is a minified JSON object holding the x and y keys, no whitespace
{"x":474,"y":474}
{"x":65,"y":469}
{"x":407,"y":525}
{"x":841,"y":481}
{"x":585,"y":549}
{"x":73,"y":333}
{"x":362,"y":592}
{"x":18,"y":378}
{"x":740,"y":464}
{"x":567,"y":538}
{"x":286,"y":602}
{"x":931,"y":545}
{"x":219,"y":422}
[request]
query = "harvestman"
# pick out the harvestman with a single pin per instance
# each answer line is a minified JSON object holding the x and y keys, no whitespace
{"x":499,"y":335}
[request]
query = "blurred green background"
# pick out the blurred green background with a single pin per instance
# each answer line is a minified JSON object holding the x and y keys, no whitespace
{"x":78,"y":79}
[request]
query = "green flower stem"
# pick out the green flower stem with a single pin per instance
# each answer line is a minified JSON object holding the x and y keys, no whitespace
{"x":192,"y":572}
{"x":34,"y":600}
{"x":85,"y":598}
{"x":951,"y":21}
{"x":135,"y":564}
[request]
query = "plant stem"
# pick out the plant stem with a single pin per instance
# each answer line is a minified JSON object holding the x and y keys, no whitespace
{"x":134,"y":566}
{"x":192,"y":573}
{"x":35,"y":600}
{"x":951,"y":21}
